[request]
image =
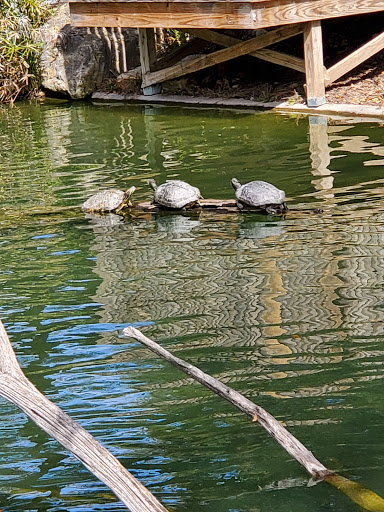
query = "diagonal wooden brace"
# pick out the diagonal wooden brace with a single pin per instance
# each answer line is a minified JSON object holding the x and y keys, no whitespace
{"x":237,"y":50}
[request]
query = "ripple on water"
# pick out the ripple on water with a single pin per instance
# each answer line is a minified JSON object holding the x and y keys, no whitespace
{"x":289,"y":311}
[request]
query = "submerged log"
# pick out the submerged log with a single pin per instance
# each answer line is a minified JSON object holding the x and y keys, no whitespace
{"x":217,"y":205}
{"x":15,"y":387}
{"x":214,"y":205}
{"x":364,"y":497}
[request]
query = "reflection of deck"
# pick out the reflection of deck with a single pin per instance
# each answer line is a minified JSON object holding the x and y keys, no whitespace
{"x":197,"y":17}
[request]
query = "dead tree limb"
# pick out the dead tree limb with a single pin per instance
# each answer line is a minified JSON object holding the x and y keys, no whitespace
{"x":364,"y":497}
{"x":15,"y":387}
{"x":297,"y":450}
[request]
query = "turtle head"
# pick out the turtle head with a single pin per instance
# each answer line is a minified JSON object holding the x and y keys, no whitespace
{"x":235,"y":183}
{"x":126,"y":202}
{"x":152,"y":183}
{"x":128,"y":193}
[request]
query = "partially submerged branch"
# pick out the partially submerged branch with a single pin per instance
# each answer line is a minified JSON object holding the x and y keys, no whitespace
{"x":15,"y":387}
{"x":360,"y":495}
{"x":297,"y":450}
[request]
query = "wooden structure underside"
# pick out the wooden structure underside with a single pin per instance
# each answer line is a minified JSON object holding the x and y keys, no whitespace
{"x":200,"y":18}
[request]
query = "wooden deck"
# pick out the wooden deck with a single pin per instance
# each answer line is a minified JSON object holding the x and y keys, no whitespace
{"x":200,"y":18}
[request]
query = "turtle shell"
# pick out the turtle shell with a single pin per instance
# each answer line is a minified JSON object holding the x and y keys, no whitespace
{"x":104,"y":201}
{"x":259,"y":193}
{"x":176,"y":194}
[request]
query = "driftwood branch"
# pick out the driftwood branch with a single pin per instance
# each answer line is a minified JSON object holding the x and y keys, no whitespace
{"x":364,"y":497}
{"x":297,"y":450}
{"x":15,"y":387}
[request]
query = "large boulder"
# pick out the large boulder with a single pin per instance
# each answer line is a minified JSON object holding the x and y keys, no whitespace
{"x":76,"y":61}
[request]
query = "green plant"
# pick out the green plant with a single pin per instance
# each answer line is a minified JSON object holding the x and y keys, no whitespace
{"x":169,"y":38}
{"x":19,"y":51}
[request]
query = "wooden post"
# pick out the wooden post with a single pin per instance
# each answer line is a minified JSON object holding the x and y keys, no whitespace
{"x":15,"y":387}
{"x":147,"y":57}
{"x":314,"y":64}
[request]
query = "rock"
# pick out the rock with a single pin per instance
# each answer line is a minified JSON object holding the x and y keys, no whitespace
{"x":129,"y":82}
{"x":76,"y":61}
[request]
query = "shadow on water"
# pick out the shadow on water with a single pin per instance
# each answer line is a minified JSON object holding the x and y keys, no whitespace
{"x":289,"y":311}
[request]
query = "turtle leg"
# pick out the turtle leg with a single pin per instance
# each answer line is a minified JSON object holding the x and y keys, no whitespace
{"x":276,"y":209}
{"x":271,"y":209}
{"x":119,"y":208}
{"x":125,"y":204}
{"x":191,"y":205}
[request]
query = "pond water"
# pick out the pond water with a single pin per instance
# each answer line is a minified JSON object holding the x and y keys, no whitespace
{"x":287,"y":310}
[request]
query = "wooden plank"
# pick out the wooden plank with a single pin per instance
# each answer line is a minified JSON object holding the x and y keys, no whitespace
{"x":165,"y":1}
{"x":205,"y":61}
{"x":355,"y":58}
{"x":314,"y":64}
{"x":288,"y":61}
{"x":161,"y":14}
{"x":209,"y":14}
{"x":282,"y":59}
{"x":147,"y":49}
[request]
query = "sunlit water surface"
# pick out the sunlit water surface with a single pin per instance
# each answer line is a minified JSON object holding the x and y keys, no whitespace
{"x":288,"y":311}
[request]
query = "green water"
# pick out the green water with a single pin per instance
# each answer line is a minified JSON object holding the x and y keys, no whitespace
{"x":288,"y":311}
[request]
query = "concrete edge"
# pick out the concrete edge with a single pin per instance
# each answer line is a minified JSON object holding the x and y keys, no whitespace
{"x":331,"y":109}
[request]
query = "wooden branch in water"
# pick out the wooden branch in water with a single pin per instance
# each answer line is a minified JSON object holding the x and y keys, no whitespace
{"x":215,"y":205}
{"x":364,"y":497}
{"x":16,"y":388}
{"x":297,"y":450}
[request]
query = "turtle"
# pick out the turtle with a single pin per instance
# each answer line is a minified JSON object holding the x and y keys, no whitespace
{"x":175,"y":194}
{"x":110,"y":200}
{"x":260,"y":195}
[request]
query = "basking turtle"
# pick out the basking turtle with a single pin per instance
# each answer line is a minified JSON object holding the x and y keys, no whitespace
{"x":175,"y":194}
{"x":111,"y":200}
{"x":259,"y":195}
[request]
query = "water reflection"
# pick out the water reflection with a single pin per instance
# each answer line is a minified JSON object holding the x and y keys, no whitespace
{"x":287,"y":310}
{"x":320,"y":156}
{"x":250,"y":228}
{"x":177,"y":225}
{"x":105,"y":220}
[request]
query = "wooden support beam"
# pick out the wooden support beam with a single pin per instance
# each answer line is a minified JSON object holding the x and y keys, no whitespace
{"x":355,"y":58}
{"x":147,"y":49}
{"x":314,"y":64}
{"x":282,"y":59}
{"x":232,"y":52}
{"x":213,"y":14}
